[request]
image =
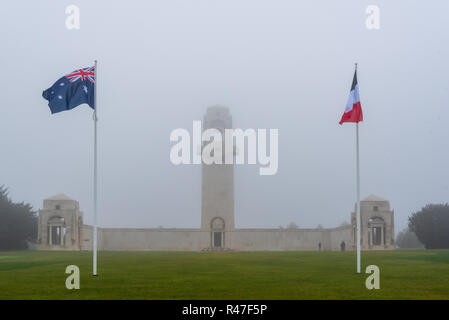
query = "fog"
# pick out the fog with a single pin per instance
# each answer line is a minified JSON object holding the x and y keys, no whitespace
{"x":286,"y":65}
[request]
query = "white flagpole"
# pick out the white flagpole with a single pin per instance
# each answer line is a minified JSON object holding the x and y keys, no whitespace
{"x":358,"y":197}
{"x":95,"y":172}
{"x":358,"y":192}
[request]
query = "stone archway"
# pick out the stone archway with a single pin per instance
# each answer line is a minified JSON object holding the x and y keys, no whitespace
{"x":56,"y":231}
{"x":217,"y":227}
{"x":376,"y":232}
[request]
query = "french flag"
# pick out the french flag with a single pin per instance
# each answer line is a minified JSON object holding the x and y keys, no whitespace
{"x":353,"y":110}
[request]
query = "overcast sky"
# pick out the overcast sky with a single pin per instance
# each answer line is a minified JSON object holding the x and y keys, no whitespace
{"x":276,"y":64}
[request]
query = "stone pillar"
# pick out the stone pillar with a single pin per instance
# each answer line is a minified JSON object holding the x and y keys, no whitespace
{"x":382,"y":242}
{"x":50,"y":235}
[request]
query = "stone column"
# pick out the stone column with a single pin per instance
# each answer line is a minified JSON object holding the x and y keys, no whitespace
{"x":382,"y":242}
{"x":50,"y":235}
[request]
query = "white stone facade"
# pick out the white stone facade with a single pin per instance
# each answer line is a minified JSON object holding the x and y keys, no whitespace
{"x":377,"y":223}
{"x":61,"y":222}
{"x":77,"y":236}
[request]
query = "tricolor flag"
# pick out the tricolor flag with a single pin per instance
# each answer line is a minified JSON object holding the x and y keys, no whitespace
{"x":353,"y":113}
{"x":353,"y":110}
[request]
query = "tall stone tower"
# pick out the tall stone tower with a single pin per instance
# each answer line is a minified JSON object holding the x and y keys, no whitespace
{"x":217,"y":211}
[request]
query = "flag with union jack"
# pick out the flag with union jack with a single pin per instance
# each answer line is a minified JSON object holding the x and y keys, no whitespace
{"x":71,"y":90}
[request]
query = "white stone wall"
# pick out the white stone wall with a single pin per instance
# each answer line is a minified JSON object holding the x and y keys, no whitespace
{"x":148,"y":239}
{"x":86,"y":242}
{"x":277,"y":239}
{"x":289,"y":239}
{"x":339,"y":235}
{"x":239,"y":239}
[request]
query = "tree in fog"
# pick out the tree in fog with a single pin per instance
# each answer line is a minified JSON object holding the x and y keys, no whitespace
{"x":407,"y":239}
{"x":18,"y":223}
{"x":431,"y":225}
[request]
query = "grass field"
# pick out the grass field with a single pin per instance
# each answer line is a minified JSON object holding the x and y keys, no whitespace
{"x":422,"y":274}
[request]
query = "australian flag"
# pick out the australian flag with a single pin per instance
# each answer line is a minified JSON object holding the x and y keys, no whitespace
{"x":72,"y":90}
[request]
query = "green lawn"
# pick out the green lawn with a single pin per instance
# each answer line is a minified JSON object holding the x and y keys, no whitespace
{"x":422,"y":274}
